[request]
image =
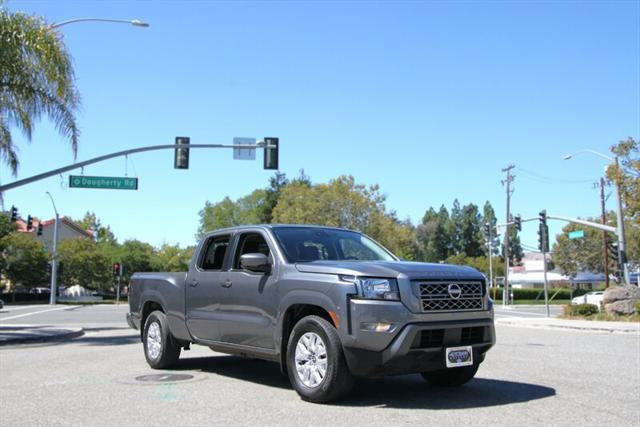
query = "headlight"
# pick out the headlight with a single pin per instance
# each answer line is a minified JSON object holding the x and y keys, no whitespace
{"x":386,"y":289}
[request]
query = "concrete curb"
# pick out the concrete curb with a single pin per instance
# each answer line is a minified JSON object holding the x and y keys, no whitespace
{"x":32,"y":334}
{"x":616,"y":327}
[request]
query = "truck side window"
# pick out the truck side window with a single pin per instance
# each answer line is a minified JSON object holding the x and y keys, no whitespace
{"x":215,"y":252}
{"x":251,"y":244}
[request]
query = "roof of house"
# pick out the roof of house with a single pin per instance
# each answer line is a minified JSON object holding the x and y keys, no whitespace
{"x":22,"y":225}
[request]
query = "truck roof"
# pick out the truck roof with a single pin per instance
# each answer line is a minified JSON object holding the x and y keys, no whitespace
{"x":244,"y":227}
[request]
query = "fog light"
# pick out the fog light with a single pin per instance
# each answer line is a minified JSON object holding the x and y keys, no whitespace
{"x":377,"y":327}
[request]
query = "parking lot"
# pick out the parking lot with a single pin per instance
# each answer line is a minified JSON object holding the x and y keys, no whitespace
{"x":532,"y":376}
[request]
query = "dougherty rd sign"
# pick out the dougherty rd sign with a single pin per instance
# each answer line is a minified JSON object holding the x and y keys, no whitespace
{"x":103,"y":182}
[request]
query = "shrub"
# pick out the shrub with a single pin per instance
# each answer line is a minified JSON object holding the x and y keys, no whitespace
{"x":531,"y":294}
{"x":637,"y":305}
{"x":581,"y":310}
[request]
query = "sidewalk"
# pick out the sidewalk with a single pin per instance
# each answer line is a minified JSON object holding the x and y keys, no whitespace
{"x":582,"y":325}
{"x":26,"y":334}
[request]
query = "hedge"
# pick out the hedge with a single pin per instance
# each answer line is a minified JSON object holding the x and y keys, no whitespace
{"x":532,"y":294}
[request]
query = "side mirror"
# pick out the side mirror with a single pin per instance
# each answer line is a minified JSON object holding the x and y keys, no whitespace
{"x":257,"y":262}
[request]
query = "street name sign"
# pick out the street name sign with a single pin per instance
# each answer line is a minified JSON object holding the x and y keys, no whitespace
{"x":103,"y":182}
{"x":577,"y":234}
{"x":244,"y":153}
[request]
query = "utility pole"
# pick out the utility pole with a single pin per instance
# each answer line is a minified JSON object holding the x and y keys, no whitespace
{"x":507,"y":182}
{"x":605,"y":249}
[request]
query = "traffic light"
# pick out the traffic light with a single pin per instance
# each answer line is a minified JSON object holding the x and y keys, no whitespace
{"x":543,"y":237}
{"x":614,"y":253}
{"x":39,"y":233}
{"x":116,"y":269}
{"x":487,"y":229}
{"x":181,"y":155}
{"x":29,"y":223}
{"x":271,"y":153}
{"x":14,"y":214}
{"x":542,"y":216}
{"x":518,"y":222}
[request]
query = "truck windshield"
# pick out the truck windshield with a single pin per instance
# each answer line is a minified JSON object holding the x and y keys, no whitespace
{"x":315,"y":244}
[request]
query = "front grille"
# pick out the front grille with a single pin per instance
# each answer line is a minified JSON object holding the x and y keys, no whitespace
{"x":431,"y":338}
{"x":474,"y":335}
{"x":436,"y":296}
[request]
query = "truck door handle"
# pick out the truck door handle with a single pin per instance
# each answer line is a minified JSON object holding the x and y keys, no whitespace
{"x":193,"y":283}
{"x":227,"y":284}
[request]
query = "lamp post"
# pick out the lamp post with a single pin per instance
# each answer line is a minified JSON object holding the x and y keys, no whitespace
{"x":619,"y":213}
{"x":54,"y":255}
{"x":134,"y":22}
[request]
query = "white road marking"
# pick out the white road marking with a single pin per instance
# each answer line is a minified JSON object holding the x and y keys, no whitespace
{"x":35,"y":312}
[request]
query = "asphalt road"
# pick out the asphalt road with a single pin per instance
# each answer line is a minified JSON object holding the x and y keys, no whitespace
{"x":532,"y":376}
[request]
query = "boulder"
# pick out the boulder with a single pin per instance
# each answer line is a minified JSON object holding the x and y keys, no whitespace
{"x":620,"y":307}
{"x":621,"y":293}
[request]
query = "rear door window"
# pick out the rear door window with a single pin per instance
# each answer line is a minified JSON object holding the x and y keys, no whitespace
{"x":215,"y":253}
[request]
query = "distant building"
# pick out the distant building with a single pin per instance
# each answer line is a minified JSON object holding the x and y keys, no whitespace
{"x":531,"y":275}
{"x":67,"y":229}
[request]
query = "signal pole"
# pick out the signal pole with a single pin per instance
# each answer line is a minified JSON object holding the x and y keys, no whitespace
{"x":605,"y":249}
{"x":507,"y":182}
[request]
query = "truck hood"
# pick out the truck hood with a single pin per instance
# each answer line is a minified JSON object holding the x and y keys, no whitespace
{"x":391,"y":269}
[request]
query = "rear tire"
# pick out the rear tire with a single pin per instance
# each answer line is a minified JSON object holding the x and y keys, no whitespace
{"x":160,"y":348}
{"x":316,"y":365}
{"x":451,"y":377}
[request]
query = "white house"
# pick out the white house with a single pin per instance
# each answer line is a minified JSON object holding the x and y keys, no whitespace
{"x":531,"y":275}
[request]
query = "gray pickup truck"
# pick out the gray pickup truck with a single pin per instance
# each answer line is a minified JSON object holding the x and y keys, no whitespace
{"x":327,"y":304}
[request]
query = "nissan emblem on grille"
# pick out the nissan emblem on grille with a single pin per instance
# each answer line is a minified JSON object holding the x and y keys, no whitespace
{"x":454,"y":291}
{"x":445,"y":296}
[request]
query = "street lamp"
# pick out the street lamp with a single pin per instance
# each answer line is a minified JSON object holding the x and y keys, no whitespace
{"x":134,"y":22}
{"x":54,"y":255}
{"x":619,"y":213}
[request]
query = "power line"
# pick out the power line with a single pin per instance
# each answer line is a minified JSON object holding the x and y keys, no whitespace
{"x":549,"y":180}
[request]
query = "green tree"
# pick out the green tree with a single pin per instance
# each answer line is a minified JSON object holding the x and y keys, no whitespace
{"x":627,"y":174}
{"x":515,"y":248}
{"x":489,"y":216}
{"x":36,"y":78}
{"x":173,"y":257}
{"x":25,"y":260}
{"x":101,"y":234}
{"x":84,"y":264}
{"x":227,"y":213}
{"x":136,"y":256}
{"x":434,"y":236}
{"x":456,"y":228}
{"x":471,"y":240}
{"x":583,"y":254}
{"x":271,"y":195}
{"x":6,"y":228}
{"x":343,"y":203}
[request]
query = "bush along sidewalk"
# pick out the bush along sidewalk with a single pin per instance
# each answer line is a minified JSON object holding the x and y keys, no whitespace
{"x":591,"y":312}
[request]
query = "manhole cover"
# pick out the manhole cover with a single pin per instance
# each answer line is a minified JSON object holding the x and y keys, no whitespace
{"x":167,"y":378}
{"x":164,"y":378}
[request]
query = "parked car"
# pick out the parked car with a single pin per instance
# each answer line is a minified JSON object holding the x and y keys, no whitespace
{"x":594,"y":298}
{"x":327,"y":304}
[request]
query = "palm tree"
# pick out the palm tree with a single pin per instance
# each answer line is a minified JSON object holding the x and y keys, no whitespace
{"x":36,"y":79}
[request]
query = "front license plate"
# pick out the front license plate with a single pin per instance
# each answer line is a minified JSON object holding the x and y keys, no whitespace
{"x":459,"y":356}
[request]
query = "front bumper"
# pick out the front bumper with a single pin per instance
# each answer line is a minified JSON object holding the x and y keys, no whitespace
{"x":420,"y":347}
{"x":416,"y":342}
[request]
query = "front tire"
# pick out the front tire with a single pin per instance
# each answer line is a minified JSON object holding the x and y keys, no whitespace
{"x":160,"y":348}
{"x":451,"y":377}
{"x":316,"y":365}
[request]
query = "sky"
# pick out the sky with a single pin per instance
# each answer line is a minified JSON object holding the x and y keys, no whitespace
{"x":430,"y":100}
